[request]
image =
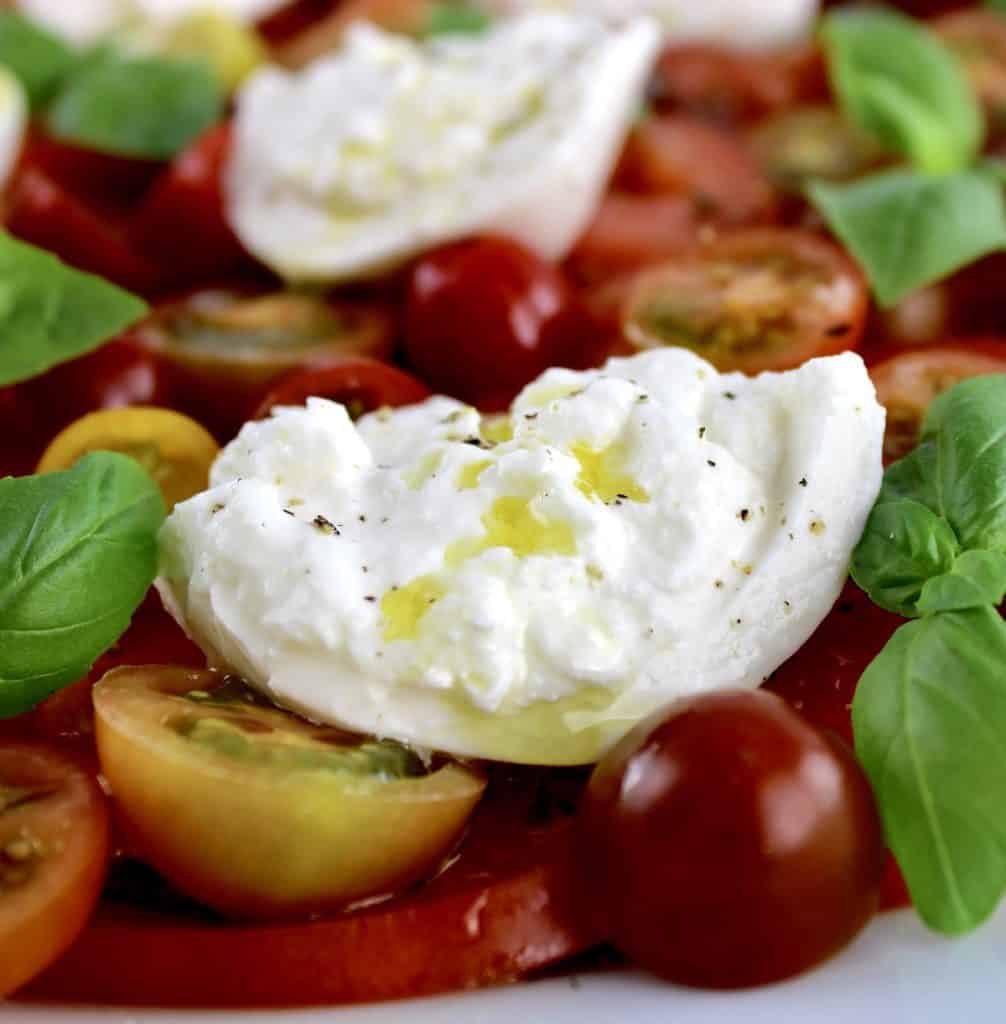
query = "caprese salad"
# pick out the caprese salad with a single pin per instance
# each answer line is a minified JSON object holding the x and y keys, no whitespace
{"x":436,"y":439}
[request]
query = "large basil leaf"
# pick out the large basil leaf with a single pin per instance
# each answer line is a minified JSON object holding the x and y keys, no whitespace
{"x":976,"y":578}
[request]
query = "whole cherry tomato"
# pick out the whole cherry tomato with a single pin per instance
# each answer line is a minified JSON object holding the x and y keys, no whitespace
{"x":484,"y":317}
{"x":735,"y":843}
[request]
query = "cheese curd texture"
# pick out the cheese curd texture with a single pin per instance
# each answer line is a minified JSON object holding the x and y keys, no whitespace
{"x":752,"y":24}
{"x":526,"y":589}
{"x":388,"y":146}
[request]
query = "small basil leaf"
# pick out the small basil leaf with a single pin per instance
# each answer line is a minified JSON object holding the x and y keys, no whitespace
{"x":453,"y":18}
{"x":907,"y":229}
{"x":913,"y":477}
{"x":976,"y":578}
{"x":903,"y":545}
{"x":145,"y":107}
{"x":929,"y":717}
{"x":967,"y":423}
{"x":50,"y":312}
{"x":996,"y":5}
{"x":896,"y":79}
{"x":78,"y":550}
{"x":41,"y":60}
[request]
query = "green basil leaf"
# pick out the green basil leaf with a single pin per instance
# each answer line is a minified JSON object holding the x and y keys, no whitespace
{"x":903,"y":545}
{"x":967,"y":424}
{"x":913,"y":477}
{"x":996,"y":5}
{"x":907,"y":229}
{"x":147,"y":107}
{"x":50,"y":312}
{"x":895,"y":79}
{"x":78,"y":550}
{"x":453,"y":18}
{"x":929,"y":718}
{"x":41,"y":60}
{"x":976,"y":578}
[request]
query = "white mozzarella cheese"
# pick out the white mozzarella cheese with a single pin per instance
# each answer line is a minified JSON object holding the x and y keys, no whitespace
{"x":388,"y":146}
{"x":528,"y":591}
{"x":13,"y":123}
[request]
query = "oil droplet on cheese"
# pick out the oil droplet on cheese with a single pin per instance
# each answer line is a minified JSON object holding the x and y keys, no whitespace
{"x":497,"y":429}
{"x":427,"y":466}
{"x":512,"y":523}
{"x":602,"y":476}
{"x":403,"y":608}
{"x":468,"y":478}
{"x":553,"y":392}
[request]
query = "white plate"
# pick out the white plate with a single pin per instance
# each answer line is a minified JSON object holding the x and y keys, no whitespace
{"x":895,"y":973}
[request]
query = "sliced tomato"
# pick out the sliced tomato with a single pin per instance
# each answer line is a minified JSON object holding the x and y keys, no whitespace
{"x":53,"y":853}
{"x":755,"y":300}
{"x":293,"y":18}
{"x":181,"y":225}
{"x":362,"y":385}
{"x":680,"y":155}
{"x":908,"y":382}
{"x":508,"y":905}
{"x":978,"y":38}
{"x":43,"y":213}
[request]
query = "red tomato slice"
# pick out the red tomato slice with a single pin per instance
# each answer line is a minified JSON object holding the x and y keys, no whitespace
{"x":508,"y":905}
{"x":680,"y":155}
{"x":181,"y":225}
{"x":53,"y":852}
{"x":361,"y":385}
{"x":908,"y":382}
{"x":41,"y":212}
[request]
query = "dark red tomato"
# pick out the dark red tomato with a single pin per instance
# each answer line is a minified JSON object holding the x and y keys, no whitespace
{"x":361,"y":385}
{"x":679,"y":155}
{"x":485,"y":317}
{"x":732,"y":85}
{"x":736,"y":845}
{"x":43,"y":213}
{"x":293,"y":18}
{"x":509,"y":904}
{"x":181,"y":225}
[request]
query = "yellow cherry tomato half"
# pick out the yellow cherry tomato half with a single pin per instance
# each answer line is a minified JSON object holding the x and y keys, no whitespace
{"x":175,"y":450}
{"x":259,"y":813}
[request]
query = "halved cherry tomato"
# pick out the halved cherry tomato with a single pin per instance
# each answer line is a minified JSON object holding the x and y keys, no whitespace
{"x":755,"y":300}
{"x":361,"y":385}
{"x":486,"y":316}
{"x":256,"y":812}
{"x":509,"y":904}
{"x":53,"y":853}
{"x":175,"y":450}
{"x":43,"y":213}
{"x":908,"y":382}
{"x":182,"y":227}
{"x":679,"y":155}
{"x":293,"y":18}
{"x":978,"y":38}
{"x":225,"y":348}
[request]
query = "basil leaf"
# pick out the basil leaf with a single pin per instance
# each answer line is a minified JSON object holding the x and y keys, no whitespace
{"x":907,"y":229}
{"x":976,"y":578}
{"x":996,"y":5}
{"x":895,"y":79}
{"x":929,"y":718}
{"x":968,"y":426}
{"x":903,"y":545}
{"x":78,"y":550}
{"x":453,"y":18}
{"x":50,"y":312}
{"x":913,"y":477}
{"x":147,"y":107}
{"x":41,"y":60}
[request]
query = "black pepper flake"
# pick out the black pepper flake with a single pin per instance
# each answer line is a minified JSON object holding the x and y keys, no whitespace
{"x":362,"y":519}
{"x":325,"y":526}
{"x":803,"y":481}
{"x":744,"y":515}
{"x":530,"y":415}
{"x":729,"y":396}
{"x":624,"y":497}
{"x":475,"y":442}
{"x":384,"y":519}
{"x":787,"y":604}
{"x":737,"y":622}
{"x":709,"y":462}
{"x":219,"y":508}
{"x":287,"y":512}
{"x":370,"y":597}
{"x":718,"y":584}
{"x":364,"y":568}
{"x":702,"y":432}
{"x":643,"y":398}
{"x":838,"y":330}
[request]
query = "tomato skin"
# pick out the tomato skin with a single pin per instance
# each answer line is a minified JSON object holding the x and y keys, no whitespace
{"x":484,"y":317}
{"x":43,"y":213}
{"x":362,"y":385}
{"x":181,"y":225}
{"x":738,"y":845}
{"x":508,"y":905}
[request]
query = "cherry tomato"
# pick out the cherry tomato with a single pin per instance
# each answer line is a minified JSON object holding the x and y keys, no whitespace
{"x":41,"y":212}
{"x":978,"y":38}
{"x":181,"y":226}
{"x":754,"y":300}
{"x":509,"y":904}
{"x":680,"y":155}
{"x":487,"y":316}
{"x":293,"y":18}
{"x":362,"y":385}
{"x":737,"y":844}
{"x":908,"y":382}
{"x":175,"y":450}
{"x":53,"y":852}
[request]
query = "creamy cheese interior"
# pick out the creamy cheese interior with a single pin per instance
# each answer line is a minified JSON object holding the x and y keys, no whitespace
{"x":526,"y":588}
